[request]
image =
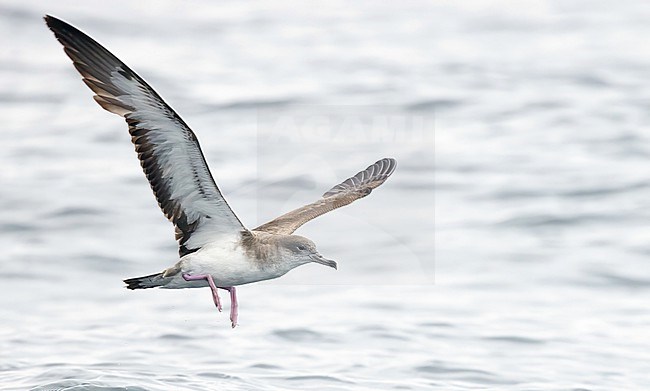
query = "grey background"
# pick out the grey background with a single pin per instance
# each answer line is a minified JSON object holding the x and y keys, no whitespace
{"x":541,"y":196}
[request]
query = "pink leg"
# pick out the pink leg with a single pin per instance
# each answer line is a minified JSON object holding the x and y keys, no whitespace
{"x":213,"y":287}
{"x":233,"y":306}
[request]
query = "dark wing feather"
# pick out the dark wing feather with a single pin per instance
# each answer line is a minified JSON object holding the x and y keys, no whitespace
{"x":168,"y":150}
{"x":340,"y":195}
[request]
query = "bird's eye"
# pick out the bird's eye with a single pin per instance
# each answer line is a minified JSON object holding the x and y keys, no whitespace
{"x":301,"y":248}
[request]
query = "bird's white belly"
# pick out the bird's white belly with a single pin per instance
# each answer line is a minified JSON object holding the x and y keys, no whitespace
{"x":228,"y":265}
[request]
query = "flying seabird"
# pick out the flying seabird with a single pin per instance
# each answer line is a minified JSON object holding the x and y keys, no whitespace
{"x":215,"y":248}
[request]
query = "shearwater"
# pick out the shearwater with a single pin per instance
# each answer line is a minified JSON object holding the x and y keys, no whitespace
{"x":215,"y":248}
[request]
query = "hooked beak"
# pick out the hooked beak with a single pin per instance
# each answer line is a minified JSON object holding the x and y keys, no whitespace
{"x":322,"y":260}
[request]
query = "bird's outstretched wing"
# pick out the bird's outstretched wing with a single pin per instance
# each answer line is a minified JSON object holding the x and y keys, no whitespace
{"x":340,"y":195}
{"x":168,"y":150}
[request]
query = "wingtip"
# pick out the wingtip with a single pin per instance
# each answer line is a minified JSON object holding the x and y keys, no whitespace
{"x":379,"y":171}
{"x":386,"y":166}
{"x":55,"y":24}
{"x":390,"y":160}
{"x":392,"y":165}
{"x":58,"y":26}
{"x":49,"y":20}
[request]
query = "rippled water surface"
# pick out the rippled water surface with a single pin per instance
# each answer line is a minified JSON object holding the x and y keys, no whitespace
{"x":514,"y":258}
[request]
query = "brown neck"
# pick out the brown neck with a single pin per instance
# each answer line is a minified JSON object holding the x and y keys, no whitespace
{"x":261,"y":247}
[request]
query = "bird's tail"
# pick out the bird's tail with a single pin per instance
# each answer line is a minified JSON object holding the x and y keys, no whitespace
{"x":150,"y":281}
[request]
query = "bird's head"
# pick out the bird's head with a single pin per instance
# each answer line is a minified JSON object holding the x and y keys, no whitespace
{"x":301,"y":250}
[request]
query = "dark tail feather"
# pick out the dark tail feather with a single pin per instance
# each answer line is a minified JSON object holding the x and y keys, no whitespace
{"x":150,"y":281}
